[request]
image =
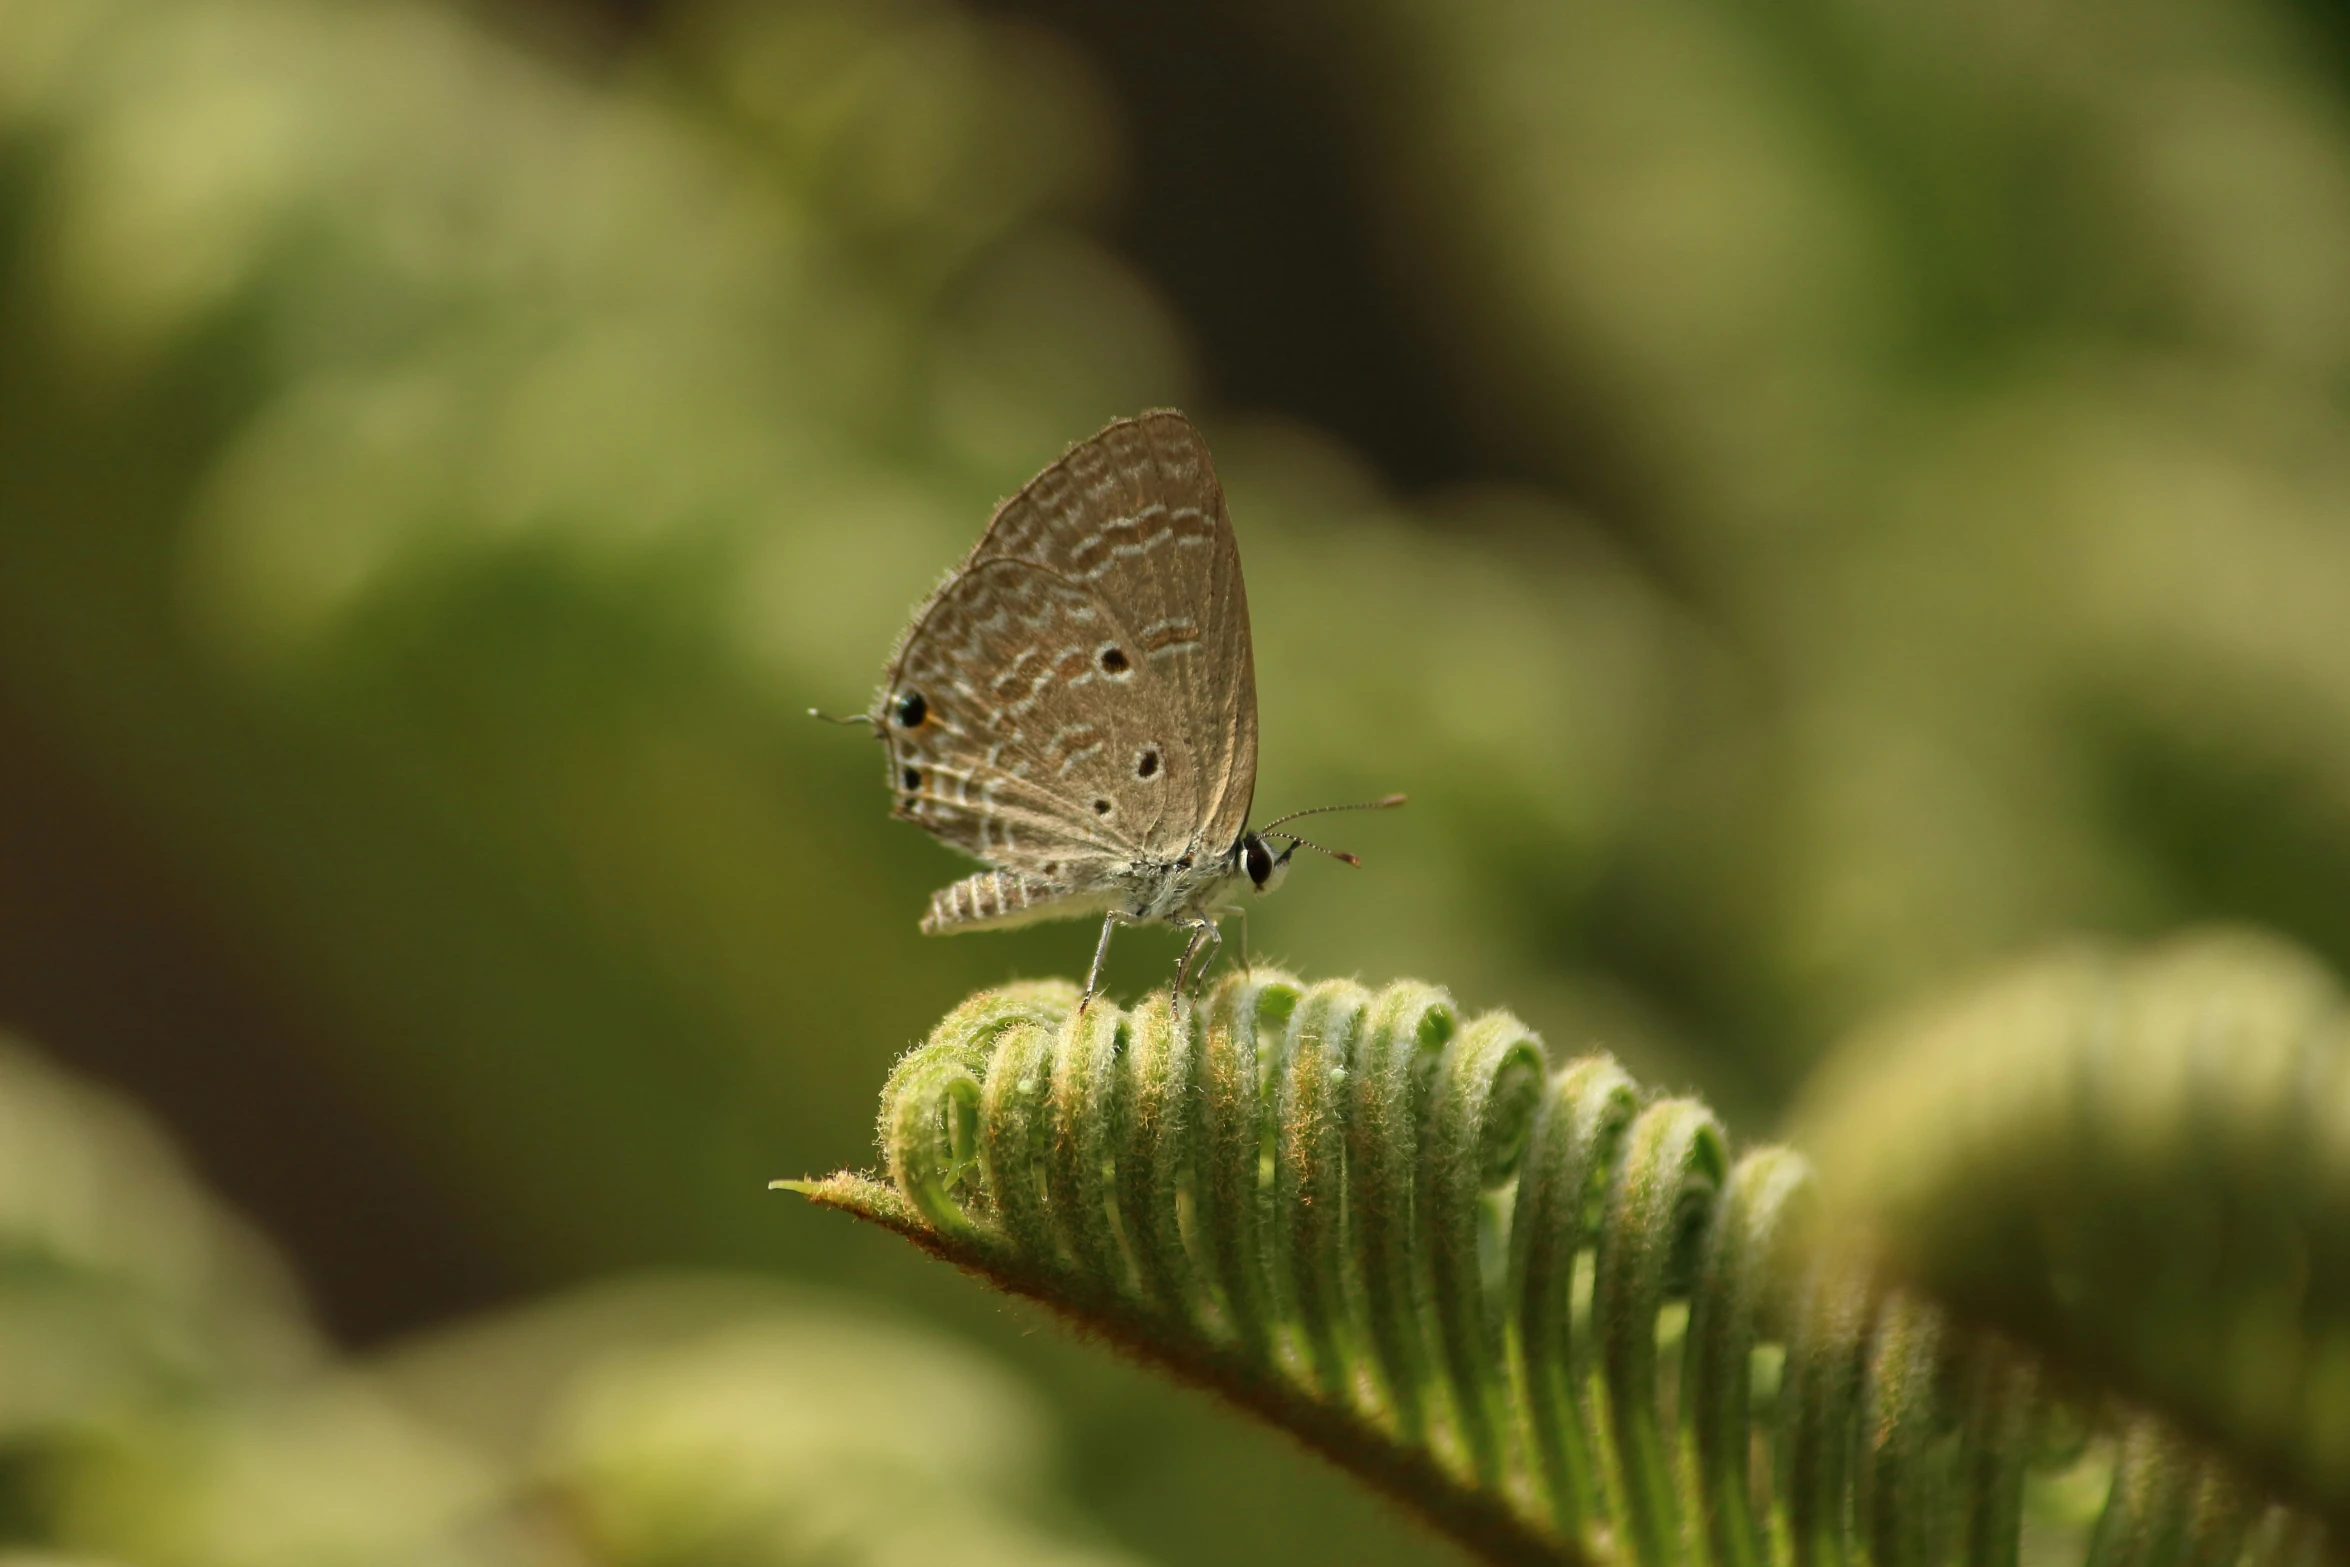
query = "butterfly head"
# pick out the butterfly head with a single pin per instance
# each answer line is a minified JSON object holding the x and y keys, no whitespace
{"x":1264,"y":866}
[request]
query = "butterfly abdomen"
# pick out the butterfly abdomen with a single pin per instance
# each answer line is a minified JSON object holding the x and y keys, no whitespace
{"x":994,"y":899}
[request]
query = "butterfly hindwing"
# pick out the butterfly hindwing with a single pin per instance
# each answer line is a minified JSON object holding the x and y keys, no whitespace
{"x":1010,"y":747}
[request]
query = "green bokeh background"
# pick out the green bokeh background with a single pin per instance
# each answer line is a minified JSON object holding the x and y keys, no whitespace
{"x":1808,"y":500}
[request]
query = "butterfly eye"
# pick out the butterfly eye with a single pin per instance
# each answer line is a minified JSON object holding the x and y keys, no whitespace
{"x":912,"y":710}
{"x":1257,"y":860}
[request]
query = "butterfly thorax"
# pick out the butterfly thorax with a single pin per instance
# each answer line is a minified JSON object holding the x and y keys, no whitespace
{"x":1190,"y":886}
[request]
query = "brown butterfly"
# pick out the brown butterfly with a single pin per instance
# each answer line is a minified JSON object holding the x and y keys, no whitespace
{"x":1076,"y":706}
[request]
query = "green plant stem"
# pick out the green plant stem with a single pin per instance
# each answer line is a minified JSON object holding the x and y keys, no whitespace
{"x":1410,"y":1477}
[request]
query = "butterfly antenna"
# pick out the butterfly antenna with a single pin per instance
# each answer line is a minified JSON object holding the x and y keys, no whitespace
{"x":1308,"y":843}
{"x":823,"y":717}
{"x":1383,"y":803}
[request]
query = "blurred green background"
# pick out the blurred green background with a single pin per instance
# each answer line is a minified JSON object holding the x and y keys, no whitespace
{"x":1808,"y":500}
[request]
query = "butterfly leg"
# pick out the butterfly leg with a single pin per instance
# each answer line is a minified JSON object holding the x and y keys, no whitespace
{"x":1203,"y":933}
{"x":1101,"y":950}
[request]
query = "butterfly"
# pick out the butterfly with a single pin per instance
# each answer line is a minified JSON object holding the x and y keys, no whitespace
{"x":1076,"y":705}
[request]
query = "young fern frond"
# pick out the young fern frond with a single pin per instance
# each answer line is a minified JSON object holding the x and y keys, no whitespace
{"x":1535,"y":1303}
{"x":2138,"y":1161}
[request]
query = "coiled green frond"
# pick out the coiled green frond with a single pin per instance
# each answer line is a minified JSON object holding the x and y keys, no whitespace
{"x":2140,"y":1161}
{"x":1554,"y":1313}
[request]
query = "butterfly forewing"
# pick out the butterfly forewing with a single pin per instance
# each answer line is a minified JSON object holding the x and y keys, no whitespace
{"x":1137,"y":515}
{"x":1083,"y":688}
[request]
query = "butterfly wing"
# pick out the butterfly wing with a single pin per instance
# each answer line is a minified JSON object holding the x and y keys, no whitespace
{"x":995,"y":742}
{"x":1136,"y":519}
{"x":1081,"y":693}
